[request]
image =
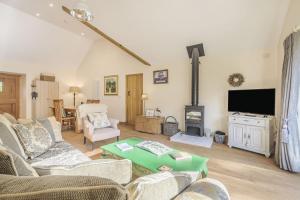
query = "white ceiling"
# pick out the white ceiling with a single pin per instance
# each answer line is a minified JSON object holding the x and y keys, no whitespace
{"x":159,"y":30}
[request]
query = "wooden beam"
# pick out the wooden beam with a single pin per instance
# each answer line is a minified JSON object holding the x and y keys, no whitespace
{"x":101,"y":33}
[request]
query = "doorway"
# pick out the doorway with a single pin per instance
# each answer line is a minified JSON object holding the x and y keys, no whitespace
{"x":10,"y":94}
{"x":134,"y":91}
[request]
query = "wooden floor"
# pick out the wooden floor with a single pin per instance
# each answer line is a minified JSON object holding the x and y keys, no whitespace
{"x":246,"y":175}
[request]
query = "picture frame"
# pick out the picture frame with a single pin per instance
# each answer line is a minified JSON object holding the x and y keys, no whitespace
{"x":111,"y":85}
{"x":161,"y":76}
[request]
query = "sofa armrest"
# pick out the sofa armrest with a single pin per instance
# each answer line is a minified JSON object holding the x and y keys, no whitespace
{"x":205,"y":189}
{"x":88,"y":128}
{"x":114,"y":123}
{"x":60,"y":187}
{"x":119,"y":171}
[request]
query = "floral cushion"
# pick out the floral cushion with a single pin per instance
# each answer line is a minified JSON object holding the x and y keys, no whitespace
{"x":99,"y":120}
{"x":34,"y":138}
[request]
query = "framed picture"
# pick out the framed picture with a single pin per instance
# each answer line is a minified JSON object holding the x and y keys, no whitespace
{"x":111,"y":85}
{"x":161,"y":76}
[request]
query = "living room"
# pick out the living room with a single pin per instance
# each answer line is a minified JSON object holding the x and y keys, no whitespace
{"x":139,"y":61}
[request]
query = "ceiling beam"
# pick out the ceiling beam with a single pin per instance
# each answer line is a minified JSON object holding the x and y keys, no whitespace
{"x":101,"y":33}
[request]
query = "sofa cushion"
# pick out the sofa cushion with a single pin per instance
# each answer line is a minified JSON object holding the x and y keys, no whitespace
{"x":162,"y":186}
{"x":119,"y":171}
{"x":99,"y":120}
{"x":62,"y":153}
{"x":10,"y":118}
{"x":21,"y":167}
{"x":205,"y":189}
{"x":56,"y":127}
{"x":47,"y":125}
{"x":34,"y":138}
{"x":9,"y":137}
{"x":60,"y":187}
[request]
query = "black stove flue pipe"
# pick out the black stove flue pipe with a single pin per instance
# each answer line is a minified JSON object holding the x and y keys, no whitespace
{"x":195,"y":52}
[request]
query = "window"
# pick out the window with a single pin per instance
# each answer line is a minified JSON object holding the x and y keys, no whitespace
{"x":1,"y":86}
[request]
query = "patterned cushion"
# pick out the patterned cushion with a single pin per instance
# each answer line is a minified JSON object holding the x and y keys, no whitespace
{"x":34,"y":138}
{"x":61,"y":153}
{"x":20,"y":166}
{"x":162,"y":186}
{"x":9,"y":137}
{"x":60,"y":187}
{"x":47,"y":125}
{"x":6,"y":164}
{"x":99,"y":120}
{"x":10,"y":118}
{"x":56,"y":127}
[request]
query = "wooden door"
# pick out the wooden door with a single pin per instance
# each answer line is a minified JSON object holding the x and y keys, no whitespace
{"x":134,"y":91}
{"x":10,"y":94}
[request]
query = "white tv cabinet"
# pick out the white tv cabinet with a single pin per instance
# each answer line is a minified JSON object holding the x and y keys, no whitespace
{"x":252,"y":133}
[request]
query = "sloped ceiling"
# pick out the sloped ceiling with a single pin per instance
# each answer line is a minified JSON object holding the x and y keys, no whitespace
{"x":159,"y":30}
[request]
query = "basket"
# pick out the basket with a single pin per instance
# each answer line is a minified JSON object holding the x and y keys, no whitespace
{"x":170,"y":128}
{"x":219,"y":137}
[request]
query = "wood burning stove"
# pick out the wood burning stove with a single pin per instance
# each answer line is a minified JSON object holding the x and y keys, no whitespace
{"x":194,"y":114}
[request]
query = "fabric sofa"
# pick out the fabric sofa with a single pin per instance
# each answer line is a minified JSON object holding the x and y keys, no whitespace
{"x":63,"y":172}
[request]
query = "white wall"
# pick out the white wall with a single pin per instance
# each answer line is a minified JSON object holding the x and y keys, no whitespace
{"x":31,"y":46}
{"x":258,"y":67}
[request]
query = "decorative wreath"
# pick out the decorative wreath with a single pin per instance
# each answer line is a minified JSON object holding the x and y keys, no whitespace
{"x":236,"y":79}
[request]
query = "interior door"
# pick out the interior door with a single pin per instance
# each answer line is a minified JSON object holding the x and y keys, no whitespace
{"x":255,"y":137}
{"x":10,"y":94}
{"x":134,"y":91}
{"x":237,"y":135}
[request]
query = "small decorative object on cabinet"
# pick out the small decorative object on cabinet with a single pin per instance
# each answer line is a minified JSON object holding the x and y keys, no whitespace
{"x":149,"y":112}
{"x":252,"y":133}
{"x":149,"y":124}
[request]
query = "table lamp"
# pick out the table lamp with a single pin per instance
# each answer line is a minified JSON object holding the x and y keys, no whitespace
{"x":144,"y":98}
{"x":75,"y":90}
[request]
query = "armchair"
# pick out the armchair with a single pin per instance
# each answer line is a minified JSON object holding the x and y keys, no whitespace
{"x":97,"y":134}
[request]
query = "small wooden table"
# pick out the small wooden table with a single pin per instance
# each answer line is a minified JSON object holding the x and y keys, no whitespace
{"x":151,"y":125}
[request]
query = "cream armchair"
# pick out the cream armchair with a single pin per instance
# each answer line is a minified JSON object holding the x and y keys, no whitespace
{"x":97,"y":134}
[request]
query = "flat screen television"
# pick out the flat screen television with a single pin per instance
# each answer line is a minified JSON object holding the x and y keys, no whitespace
{"x":260,"y":101}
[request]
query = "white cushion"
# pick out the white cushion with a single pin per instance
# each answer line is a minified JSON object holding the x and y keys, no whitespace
{"x":10,"y":118}
{"x":56,"y":129}
{"x":99,"y":120}
{"x":162,"y":186}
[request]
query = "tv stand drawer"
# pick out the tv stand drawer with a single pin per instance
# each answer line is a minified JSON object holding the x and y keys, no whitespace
{"x":247,"y":121}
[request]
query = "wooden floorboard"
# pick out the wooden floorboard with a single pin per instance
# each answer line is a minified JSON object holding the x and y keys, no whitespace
{"x":247,"y":175}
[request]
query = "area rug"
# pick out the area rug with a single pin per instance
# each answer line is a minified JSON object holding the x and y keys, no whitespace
{"x":192,"y":140}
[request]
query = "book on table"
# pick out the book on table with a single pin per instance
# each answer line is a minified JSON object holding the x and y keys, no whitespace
{"x":154,"y":147}
{"x":124,"y":147}
{"x":179,"y":155}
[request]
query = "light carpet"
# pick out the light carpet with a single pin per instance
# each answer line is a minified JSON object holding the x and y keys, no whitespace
{"x":192,"y":140}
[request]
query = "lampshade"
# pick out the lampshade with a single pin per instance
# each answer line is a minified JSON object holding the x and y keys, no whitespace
{"x":74,"y":89}
{"x":144,"y":96}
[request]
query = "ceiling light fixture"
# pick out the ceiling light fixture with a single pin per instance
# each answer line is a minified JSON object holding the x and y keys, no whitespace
{"x":82,"y":12}
{"x":51,"y":5}
{"x":37,"y":14}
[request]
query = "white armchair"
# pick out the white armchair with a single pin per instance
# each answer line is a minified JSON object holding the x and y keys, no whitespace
{"x":97,"y":134}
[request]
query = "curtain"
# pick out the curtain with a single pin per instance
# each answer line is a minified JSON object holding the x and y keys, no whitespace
{"x":287,"y":153}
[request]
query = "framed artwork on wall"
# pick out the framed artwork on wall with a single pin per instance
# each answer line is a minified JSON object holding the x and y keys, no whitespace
{"x":111,"y":85}
{"x":161,"y":76}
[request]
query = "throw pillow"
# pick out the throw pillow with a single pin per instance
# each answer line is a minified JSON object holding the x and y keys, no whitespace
{"x":21,"y":167}
{"x":6,"y":164}
{"x":99,"y":120}
{"x":56,"y":127}
{"x":162,"y":186}
{"x":34,"y":138}
{"x":9,"y":137}
{"x":47,"y":125}
{"x":10,"y":118}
